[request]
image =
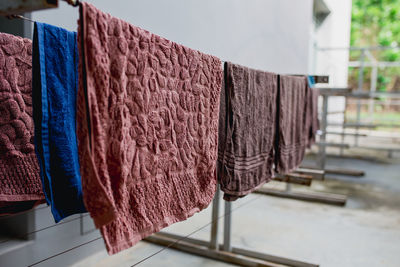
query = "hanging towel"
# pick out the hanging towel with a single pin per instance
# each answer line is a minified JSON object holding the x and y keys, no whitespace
{"x":313,"y":111}
{"x":55,"y":84}
{"x":246,"y":130}
{"x":147,"y":128}
{"x":20,"y":187}
{"x":293,"y":122}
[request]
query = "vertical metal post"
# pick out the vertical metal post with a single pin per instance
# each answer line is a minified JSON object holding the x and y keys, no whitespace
{"x":343,"y":127}
{"x":227,"y":226}
{"x":374,"y":81}
{"x":360,"y":88}
{"x":288,"y":187}
{"x":81,"y":224}
{"x":214,"y":219}
{"x":322,"y":140}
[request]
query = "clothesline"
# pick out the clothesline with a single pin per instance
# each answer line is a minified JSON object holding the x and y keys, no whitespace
{"x":317,"y":78}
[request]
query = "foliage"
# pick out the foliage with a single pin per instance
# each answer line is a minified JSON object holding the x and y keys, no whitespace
{"x":376,"y":23}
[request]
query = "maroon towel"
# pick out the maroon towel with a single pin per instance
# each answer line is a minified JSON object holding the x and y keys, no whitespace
{"x":313,"y":115}
{"x":293,"y":122}
{"x":147,"y":128}
{"x":19,"y":169}
{"x":246,"y":130}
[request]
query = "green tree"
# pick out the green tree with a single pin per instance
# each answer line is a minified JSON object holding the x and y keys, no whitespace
{"x":376,"y":23}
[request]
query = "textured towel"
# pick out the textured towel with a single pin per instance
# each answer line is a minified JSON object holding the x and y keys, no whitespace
{"x":55,"y":85}
{"x":292,"y":123}
{"x":246,"y":130}
{"x":313,"y":115}
{"x":147,"y":128}
{"x":19,"y":170}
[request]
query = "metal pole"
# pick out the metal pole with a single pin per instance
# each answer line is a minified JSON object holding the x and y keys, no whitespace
{"x":227,"y":227}
{"x":343,"y":127}
{"x":360,"y":88}
{"x":322,"y":140}
{"x":374,"y":81}
{"x":214,"y":218}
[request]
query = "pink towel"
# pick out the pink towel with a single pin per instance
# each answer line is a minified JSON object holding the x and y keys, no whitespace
{"x":293,"y":123}
{"x":147,"y":128}
{"x":19,"y":169}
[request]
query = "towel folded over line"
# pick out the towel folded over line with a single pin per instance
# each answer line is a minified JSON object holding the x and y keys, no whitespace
{"x":293,"y":122}
{"x":19,"y":170}
{"x":147,"y":128}
{"x":246,"y":130}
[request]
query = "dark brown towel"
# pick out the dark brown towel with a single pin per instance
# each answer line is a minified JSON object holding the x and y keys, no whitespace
{"x":20,"y":186}
{"x":246,"y":130}
{"x":313,"y":115}
{"x":292,"y":123}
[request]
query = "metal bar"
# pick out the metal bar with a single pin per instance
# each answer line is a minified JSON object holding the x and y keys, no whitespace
{"x":214,"y":224}
{"x":341,"y":150}
{"x":379,"y":64}
{"x":23,"y":6}
{"x":358,"y":48}
{"x":317,"y":78}
{"x":372,"y":89}
{"x":364,"y":125}
{"x":326,"y":198}
{"x":359,"y":89}
{"x":227,"y":226}
{"x":392,"y":149}
{"x":343,"y":134}
{"x":352,"y":125}
{"x":321,"y":78}
{"x":332,"y":144}
{"x":322,"y":138}
{"x":288,"y":187}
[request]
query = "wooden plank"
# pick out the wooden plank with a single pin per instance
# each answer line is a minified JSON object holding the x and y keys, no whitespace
{"x":341,"y":171}
{"x":326,"y":198}
{"x":238,"y":256}
{"x":294,"y":178}
{"x":203,"y":251}
{"x":315,"y":173}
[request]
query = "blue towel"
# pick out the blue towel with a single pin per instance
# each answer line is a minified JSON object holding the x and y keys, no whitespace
{"x":311,"y":81}
{"x":55,"y":85}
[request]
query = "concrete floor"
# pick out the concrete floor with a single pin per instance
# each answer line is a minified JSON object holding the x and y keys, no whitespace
{"x":366,"y":232}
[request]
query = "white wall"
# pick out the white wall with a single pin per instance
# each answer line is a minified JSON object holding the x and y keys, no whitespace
{"x":334,"y":32}
{"x":265,"y":34}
